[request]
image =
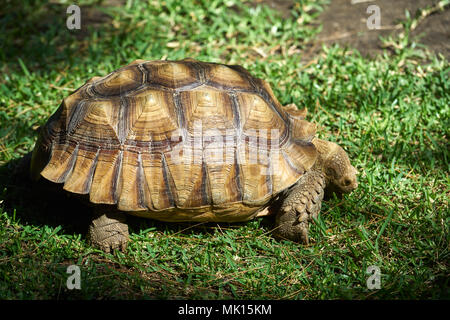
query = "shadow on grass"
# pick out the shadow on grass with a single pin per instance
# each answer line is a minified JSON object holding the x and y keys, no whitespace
{"x":100,"y":279}
{"x":39,"y":203}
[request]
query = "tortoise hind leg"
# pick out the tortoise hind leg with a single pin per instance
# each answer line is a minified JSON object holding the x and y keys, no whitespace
{"x":108,"y":230}
{"x":298,"y":209}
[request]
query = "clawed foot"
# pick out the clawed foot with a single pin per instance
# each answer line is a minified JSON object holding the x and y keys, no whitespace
{"x":109,"y":232}
{"x":300,"y":208}
{"x":293,"y":223}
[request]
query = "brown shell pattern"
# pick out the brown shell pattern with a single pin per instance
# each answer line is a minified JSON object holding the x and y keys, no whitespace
{"x":176,"y":141}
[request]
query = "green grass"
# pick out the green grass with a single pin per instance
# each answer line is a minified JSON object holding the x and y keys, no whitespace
{"x":391,"y":114}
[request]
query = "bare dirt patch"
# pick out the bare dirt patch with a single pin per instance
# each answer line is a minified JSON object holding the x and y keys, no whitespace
{"x":345,"y":22}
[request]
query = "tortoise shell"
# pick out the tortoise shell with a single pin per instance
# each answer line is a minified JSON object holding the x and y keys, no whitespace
{"x":176,"y":141}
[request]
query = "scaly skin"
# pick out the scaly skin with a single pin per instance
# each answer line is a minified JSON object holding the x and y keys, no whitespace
{"x":108,"y":230}
{"x":300,"y":207}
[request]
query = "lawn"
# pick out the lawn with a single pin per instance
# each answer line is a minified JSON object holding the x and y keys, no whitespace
{"x":390,"y":113}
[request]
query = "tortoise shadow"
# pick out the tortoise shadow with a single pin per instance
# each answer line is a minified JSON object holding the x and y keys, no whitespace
{"x":39,"y":203}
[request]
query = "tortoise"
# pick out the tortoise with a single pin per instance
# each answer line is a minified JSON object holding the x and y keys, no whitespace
{"x":188,"y":141}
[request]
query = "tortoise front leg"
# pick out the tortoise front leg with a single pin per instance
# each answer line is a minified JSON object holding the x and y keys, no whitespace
{"x":108,"y":230}
{"x":301,"y":205}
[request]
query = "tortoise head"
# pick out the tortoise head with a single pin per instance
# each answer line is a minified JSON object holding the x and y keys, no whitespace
{"x":333,"y":161}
